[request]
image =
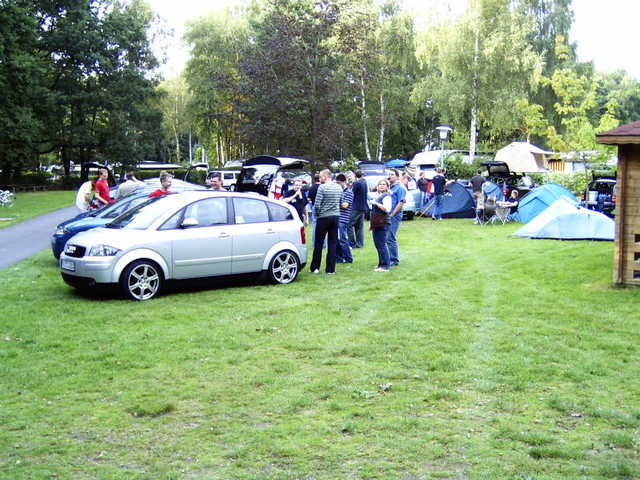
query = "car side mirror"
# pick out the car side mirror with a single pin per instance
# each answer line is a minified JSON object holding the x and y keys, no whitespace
{"x":189,"y":222}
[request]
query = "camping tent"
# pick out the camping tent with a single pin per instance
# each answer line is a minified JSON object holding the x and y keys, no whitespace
{"x":492,"y":189}
{"x":523,"y":157}
{"x":396,"y":163}
{"x":565,"y":220}
{"x":538,"y":199}
{"x":456,"y":203}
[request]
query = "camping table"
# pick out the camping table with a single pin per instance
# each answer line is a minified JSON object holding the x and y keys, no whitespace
{"x":502,"y":212}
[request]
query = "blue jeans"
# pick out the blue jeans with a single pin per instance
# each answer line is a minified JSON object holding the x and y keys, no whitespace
{"x":437,"y":207}
{"x":380,"y":241}
{"x":343,"y":253}
{"x":392,"y":239}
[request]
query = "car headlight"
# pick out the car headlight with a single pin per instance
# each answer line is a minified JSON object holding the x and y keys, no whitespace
{"x":61,"y":231}
{"x":103,"y":251}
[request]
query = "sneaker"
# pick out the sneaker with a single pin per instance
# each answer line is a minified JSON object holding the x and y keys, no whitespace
{"x":315,"y":271}
{"x":380,"y":269}
{"x":331,"y":273}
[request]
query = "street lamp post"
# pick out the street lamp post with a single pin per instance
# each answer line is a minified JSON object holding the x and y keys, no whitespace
{"x":443,"y":130}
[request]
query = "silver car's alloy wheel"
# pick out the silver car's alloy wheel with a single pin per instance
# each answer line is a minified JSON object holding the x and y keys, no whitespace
{"x":141,"y":280}
{"x":284,"y":267}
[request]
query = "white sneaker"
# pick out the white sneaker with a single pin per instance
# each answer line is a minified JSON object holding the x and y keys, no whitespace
{"x":315,"y":271}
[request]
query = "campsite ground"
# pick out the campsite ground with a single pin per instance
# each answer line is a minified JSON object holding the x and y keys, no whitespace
{"x":481,"y":356}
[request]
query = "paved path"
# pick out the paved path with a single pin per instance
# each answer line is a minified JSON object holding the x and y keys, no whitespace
{"x":27,"y":238}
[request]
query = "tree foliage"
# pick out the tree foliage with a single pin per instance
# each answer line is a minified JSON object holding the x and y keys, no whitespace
{"x":77,"y":70}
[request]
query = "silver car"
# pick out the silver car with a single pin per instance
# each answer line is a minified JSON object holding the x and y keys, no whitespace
{"x":188,"y":235}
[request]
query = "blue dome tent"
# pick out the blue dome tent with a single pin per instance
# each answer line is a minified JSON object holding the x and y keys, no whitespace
{"x":539,"y":199}
{"x":456,"y":203}
{"x":490,"y":188}
{"x":565,"y":220}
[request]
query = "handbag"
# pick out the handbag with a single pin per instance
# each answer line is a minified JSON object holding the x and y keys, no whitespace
{"x":379,"y":220}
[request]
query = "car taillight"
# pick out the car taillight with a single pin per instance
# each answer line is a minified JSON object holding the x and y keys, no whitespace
{"x":303,"y":236}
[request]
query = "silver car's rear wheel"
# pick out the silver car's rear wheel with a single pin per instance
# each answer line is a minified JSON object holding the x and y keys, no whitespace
{"x":141,"y":280}
{"x":284,"y":267}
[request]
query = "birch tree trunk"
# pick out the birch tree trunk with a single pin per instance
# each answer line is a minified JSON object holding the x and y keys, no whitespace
{"x":364,"y":118}
{"x":474,"y":103}
{"x":382,"y":128}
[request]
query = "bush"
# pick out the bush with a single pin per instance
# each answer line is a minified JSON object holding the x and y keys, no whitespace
{"x":457,"y":168}
{"x":576,"y":182}
{"x":33,"y":178}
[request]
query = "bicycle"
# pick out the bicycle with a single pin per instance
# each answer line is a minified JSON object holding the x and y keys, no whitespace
{"x":6,"y":198}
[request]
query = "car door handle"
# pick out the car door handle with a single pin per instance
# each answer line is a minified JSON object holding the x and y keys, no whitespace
{"x":270,"y":232}
{"x":223,"y":235}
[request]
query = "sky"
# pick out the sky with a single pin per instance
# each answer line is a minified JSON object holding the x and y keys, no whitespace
{"x":604,"y":30}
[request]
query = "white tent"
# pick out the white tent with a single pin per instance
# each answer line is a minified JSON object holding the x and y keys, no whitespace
{"x":565,"y":220}
{"x":523,"y":157}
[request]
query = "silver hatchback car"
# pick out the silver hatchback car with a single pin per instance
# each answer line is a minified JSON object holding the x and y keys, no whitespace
{"x":188,"y":235}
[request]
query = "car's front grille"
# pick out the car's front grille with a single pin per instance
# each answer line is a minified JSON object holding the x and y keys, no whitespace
{"x":74,"y":250}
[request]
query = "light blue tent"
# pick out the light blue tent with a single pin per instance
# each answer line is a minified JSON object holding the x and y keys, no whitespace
{"x":566,"y":220}
{"x":539,"y":199}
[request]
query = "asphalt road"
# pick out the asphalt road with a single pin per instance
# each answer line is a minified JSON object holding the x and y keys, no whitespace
{"x":27,"y":238}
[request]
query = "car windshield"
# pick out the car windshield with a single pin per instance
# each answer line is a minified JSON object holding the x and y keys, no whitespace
{"x":143,"y":215}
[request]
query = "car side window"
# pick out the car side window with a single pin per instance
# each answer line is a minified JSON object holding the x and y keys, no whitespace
{"x":278,"y":213}
{"x":173,"y":222}
{"x":212,"y":211}
{"x":249,"y":210}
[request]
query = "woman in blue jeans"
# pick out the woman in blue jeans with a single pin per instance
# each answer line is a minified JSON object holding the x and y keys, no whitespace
{"x":381,"y":206}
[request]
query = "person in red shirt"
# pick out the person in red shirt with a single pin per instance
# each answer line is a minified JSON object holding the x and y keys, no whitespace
{"x":165,"y":184}
{"x":102,"y":195}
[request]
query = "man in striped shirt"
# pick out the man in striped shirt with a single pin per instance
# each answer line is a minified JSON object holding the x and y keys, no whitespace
{"x":327,"y":208}
{"x":343,"y":255}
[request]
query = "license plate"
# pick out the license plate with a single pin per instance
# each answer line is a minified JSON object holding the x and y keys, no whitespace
{"x":68,"y":265}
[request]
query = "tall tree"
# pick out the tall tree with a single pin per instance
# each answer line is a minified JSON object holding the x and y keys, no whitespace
{"x":213,"y":76}
{"x":478,"y":67}
{"x":288,"y":79}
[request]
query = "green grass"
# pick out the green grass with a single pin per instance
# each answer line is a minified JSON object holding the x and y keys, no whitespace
{"x":482,"y":356}
{"x":32,"y":204}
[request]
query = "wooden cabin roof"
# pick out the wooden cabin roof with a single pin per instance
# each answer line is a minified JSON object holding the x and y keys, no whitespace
{"x":625,"y":134}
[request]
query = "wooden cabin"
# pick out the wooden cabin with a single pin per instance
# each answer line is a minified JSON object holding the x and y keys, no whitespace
{"x":626,"y":269}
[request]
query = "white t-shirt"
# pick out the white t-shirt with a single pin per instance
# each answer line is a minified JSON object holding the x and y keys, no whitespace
{"x":83,"y":197}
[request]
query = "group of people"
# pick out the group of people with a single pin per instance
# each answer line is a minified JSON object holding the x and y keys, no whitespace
{"x":94,"y":194}
{"x":489,"y":202}
{"x":336,"y":210}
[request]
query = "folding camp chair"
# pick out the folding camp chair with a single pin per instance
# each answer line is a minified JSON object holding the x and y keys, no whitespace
{"x":488,"y":212}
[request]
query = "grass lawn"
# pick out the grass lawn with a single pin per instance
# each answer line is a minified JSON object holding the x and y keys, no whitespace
{"x":33,"y":204}
{"x":481,"y":357}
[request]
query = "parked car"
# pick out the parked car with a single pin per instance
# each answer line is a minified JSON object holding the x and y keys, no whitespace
{"x":499,"y":173}
{"x":188,"y":235}
{"x":98,"y":218}
{"x":412,"y":199}
{"x":269,"y":176}
{"x":600,"y":195}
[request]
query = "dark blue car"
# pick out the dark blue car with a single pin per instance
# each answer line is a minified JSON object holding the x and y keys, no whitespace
{"x":96,"y":218}
{"x":99,"y":218}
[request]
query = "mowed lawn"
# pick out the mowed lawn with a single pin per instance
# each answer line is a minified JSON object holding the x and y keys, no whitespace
{"x":482,"y":356}
{"x":32,"y":204}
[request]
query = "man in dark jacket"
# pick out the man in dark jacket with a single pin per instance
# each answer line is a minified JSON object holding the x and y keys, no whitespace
{"x":358,"y":211}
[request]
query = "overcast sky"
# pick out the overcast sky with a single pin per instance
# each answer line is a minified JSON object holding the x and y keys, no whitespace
{"x":604,"y":30}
